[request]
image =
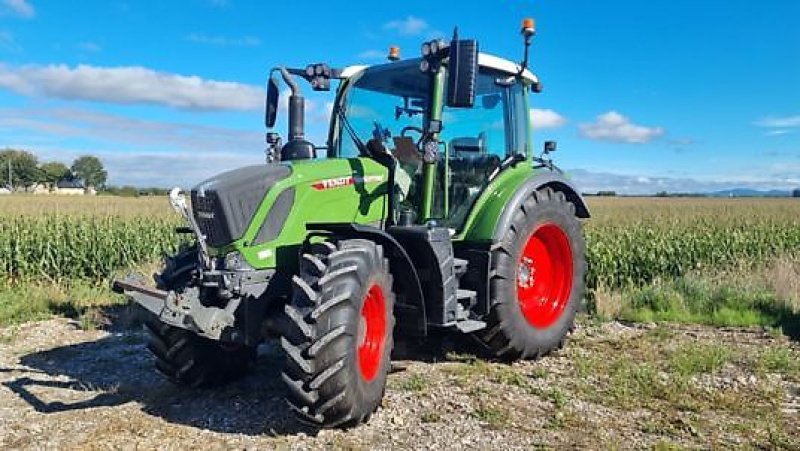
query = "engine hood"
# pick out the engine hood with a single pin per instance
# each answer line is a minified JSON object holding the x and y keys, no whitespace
{"x":224,"y":205}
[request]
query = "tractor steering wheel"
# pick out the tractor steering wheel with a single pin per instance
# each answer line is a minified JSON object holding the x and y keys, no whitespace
{"x":413,"y":128}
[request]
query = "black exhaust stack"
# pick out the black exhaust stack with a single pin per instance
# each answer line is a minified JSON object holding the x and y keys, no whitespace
{"x":296,"y":147}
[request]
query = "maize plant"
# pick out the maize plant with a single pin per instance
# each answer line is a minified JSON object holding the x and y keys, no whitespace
{"x":631,"y":241}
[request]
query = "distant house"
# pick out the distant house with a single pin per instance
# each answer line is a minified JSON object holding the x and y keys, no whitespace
{"x":40,"y":188}
{"x":70,"y":187}
{"x":796,"y":193}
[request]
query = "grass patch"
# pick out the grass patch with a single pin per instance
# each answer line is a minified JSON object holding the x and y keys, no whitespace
{"x":414,"y":383}
{"x":553,"y":394}
{"x":779,"y":360}
{"x":507,"y":375}
{"x":494,"y":417}
{"x":663,"y":445}
{"x":692,"y":358}
{"x":704,"y":300}
{"x":79,"y":300}
{"x":430,"y":417}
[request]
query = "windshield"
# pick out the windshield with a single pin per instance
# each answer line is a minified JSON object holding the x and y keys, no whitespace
{"x":382,"y":101}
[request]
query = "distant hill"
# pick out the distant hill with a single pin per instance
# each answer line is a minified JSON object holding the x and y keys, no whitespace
{"x":748,"y":192}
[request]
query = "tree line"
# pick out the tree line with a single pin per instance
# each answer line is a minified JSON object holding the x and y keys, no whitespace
{"x":20,"y":170}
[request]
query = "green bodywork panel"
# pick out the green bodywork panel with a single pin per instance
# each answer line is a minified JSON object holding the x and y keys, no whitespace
{"x":481,"y":222}
{"x":326,"y":191}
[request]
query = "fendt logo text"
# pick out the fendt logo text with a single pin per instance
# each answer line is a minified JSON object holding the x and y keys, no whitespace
{"x":339,"y":182}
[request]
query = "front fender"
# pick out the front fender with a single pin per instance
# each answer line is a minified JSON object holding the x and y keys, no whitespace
{"x":410,"y":306}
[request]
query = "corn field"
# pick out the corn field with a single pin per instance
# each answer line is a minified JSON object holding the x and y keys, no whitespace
{"x":60,"y":239}
{"x":631,"y":241}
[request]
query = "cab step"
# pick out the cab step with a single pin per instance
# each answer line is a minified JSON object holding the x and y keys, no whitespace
{"x":470,"y":325}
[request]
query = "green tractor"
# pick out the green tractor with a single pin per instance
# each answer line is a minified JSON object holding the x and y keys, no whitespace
{"x":429,"y":212}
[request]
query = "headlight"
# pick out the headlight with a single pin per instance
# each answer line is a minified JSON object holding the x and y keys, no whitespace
{"x":234,"y":261}
{"x":426,"y":49}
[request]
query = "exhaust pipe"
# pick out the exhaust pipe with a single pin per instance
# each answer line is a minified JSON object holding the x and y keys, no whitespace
{"x":296,"y":147}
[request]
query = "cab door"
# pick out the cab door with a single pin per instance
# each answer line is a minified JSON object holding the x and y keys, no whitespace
{"x":477,"y":140}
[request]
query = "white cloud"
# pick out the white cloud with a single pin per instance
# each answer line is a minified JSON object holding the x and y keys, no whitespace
{"x":545,"y":118}
{"x":162,"y":169}
{"x":88,"y":46}
{"x":592,"y":182}
{"x":779,"y":122}
{"x":130,"y":85}
{"x":410,"y":26}
{"x":58,"y":124}
{"x":244,"y":41}
{"x":777,"y":132}
{"x":20,"y":8}
{"x":8,"y":42}
{"x":613,"y":126}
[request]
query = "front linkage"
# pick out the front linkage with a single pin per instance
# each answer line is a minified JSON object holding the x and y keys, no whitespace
{"x":189,"y":279}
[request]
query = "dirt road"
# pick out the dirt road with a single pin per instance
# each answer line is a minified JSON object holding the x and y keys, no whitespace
{"x":613,"y":386}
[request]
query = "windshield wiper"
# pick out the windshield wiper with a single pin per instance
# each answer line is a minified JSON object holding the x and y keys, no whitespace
{"x":362,"y":149}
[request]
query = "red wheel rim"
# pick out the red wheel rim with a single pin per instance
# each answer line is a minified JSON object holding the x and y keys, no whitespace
{"x":544,"y":275}
{"x":372,"y":333}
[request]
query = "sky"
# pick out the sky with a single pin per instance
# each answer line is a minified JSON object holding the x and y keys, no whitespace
{"x":642,"y":96}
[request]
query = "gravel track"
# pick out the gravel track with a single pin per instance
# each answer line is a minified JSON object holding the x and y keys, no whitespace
{"x":64,"y":388}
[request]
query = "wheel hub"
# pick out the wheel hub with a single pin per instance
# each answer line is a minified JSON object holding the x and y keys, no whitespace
{"x":544,"y":275}
{"x":371,"y":333}
{"x":525,"y":272}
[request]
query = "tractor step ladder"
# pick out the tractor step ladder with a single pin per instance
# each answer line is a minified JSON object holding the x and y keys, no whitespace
{"x":463,"y":323}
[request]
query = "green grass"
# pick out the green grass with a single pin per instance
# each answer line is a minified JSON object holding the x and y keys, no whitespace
{"x":414,"y":383}
{"x":495,"y":417}
{"x":779,"y":360}
{"x":698,"y":300}
{"x":78,"y":300}
{"x":554,"y":395}
{"x":692,"y":359}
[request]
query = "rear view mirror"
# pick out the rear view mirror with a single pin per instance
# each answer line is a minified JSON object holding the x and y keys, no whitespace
{"x":462,"y":73}
{"x":271,"y":110}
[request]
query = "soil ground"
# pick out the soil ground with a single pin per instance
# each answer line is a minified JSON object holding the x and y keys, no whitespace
{"x":613,"y":386}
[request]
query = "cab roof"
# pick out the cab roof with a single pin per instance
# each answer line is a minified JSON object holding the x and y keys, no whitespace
{"x":484,"y":60}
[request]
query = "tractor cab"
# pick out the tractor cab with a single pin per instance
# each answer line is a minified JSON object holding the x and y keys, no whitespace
{"x":444,"y":124}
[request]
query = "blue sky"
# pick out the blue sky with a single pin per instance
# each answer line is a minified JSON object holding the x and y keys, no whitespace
{"x":641,"y":95}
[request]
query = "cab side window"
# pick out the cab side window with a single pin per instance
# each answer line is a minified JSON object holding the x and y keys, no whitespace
{"x":480,"y":138}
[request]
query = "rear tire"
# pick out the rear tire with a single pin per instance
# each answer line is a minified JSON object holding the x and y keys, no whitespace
{"x":184,"y":357}
{"x":339,"y":336}
{"x":537,"y":279}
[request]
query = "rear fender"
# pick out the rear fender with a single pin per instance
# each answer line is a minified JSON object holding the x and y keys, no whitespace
{"x":552,"y":180}
{"x":493,"y":211}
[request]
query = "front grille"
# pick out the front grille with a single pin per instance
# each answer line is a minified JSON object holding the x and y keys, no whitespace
{"x":210,"y":218}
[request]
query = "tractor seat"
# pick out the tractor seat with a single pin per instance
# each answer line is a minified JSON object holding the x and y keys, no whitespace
{"x":467,"y":146}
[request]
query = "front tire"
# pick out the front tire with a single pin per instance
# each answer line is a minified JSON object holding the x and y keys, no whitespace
{"x":184,"y":357}
{"x":339,"y":336}
{"x":188,"y":359}
{"x":537,"y":279}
